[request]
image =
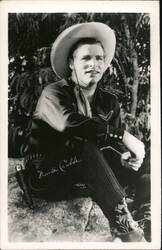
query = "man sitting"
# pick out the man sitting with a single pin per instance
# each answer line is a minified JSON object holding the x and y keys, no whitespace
{"x":77,"y":129}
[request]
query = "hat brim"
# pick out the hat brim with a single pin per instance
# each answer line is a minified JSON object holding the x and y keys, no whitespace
{"x":65,"y":41}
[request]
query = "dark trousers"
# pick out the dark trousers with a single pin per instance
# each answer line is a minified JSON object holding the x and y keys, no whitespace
{"x":70,"y":161}
{"x":101,"y":171}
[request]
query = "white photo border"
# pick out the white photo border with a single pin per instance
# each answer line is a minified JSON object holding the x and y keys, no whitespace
{"x":151,"y":7}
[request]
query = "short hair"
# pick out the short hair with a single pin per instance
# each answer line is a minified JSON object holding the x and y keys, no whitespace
{"x":83,"y":41}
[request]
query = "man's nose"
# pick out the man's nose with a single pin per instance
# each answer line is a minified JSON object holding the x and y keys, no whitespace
{"x":93,"y":62}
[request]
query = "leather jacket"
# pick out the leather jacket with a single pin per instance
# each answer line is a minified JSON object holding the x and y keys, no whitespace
{"x":57,"y":109}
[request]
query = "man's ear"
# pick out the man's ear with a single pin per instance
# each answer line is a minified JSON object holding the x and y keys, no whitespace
{"x":71,"y":63}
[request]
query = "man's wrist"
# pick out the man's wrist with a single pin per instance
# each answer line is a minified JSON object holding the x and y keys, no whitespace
{"x":134,"y":145}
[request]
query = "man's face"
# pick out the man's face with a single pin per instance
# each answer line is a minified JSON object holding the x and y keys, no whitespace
{"x":88,"y":64}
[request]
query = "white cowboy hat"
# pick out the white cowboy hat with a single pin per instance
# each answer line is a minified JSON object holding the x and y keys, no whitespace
{"x":64,"y":42}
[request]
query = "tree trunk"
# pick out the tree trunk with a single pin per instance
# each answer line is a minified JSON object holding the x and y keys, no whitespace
{"x":134,"y":59}
{"x":135,"y":83}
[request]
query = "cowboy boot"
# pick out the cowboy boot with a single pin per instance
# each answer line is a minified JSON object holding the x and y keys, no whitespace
{"x":123,"y":226}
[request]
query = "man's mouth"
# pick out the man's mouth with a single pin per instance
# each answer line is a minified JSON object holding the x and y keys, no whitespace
{"x":93,"y":72}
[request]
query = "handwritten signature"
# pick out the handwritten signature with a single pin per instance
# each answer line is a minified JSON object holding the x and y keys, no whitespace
{"x":62,"y":166}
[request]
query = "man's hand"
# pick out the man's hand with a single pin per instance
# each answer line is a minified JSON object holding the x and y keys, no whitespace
{"x":135,"y":163}
{"x":130,"y":162}
{"x":125,"y":158}
{"x":137,"y":148}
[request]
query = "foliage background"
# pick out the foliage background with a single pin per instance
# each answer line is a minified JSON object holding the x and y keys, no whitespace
{"x":30,"y":39}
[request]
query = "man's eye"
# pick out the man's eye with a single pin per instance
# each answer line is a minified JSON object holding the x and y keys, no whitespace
{"x":86,"y":58}
{"x":99,"y":58}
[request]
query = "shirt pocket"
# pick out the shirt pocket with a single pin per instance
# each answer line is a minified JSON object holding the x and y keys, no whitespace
{"x":106,"y":117}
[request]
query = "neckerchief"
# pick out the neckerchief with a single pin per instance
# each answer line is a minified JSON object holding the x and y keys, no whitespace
{"x":82,"y":102}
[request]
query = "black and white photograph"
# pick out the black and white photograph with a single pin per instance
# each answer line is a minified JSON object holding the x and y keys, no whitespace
{"x":81,"y":148}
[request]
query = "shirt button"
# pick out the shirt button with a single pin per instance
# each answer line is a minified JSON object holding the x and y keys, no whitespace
{"x":111,"y":135}
{"x":115,"y":136}
{"x":120,"y":137}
